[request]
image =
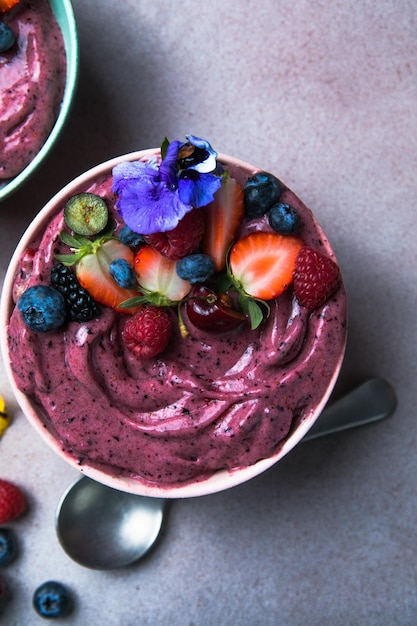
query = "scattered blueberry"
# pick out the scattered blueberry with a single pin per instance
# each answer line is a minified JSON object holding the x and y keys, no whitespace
{"x":43,"y":308}
{"x":8,"y":546}
{"x":7,"y":37}
{"x":123,"y":273}
{"x":130,"y":238}
{"x":261,"y":191}
{"x":52,"y":599}
{"x":284,"y":219}
{"x":196,"y":268}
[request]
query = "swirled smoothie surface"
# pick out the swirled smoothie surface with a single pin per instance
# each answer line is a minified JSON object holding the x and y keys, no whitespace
{"x":209,"y":401}
{"x":32,"y":81}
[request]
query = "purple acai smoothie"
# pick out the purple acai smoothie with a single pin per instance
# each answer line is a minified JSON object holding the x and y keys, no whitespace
{"x":209,"y":401}
{"x":32,"y":82}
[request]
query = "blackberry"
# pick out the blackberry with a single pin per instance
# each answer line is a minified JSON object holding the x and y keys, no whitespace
{"x":81,"y":306}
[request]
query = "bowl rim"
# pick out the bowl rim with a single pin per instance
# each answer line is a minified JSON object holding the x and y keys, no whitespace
{"x":217,"y":482}
{"x":65,"y":17}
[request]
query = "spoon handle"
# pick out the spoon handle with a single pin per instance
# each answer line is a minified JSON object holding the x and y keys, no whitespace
{"x":373,"y":400}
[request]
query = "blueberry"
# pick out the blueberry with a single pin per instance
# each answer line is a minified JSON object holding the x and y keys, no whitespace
{"x":8,"y":546}
{"x":284,"y":219}
{"x":130,"y":238}
{"x":7,"y":37}
{"x":52,"y":599}
{"x":122,"y":273}
{"x":261,"y":191}
{"x":43,"y":308}
{"x":196,"y":268}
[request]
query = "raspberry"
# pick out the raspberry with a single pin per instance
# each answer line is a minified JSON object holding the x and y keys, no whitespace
{"x":12,"y":501}
{"x":183,"y":239}
{"x":81,"y":306}
{"x":147,"y":332}
{"x":316,"y":278}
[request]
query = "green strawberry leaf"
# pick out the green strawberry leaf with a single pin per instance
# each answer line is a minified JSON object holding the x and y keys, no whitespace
{"x":164,"y":147}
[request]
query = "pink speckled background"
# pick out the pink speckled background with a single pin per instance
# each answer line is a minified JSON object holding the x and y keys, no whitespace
{"x":323,"y":94}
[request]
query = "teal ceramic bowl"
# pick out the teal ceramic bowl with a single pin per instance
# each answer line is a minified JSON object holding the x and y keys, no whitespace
{"x":65,"y":17}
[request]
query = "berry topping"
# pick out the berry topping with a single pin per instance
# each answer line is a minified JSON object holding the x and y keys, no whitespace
{"x":92,"y":261}
{"x":86,"y":214}
{"x":52,"y":599}
{"x":183,"y":239}
{"x":43,"y":308}
{"x":123,"y":273}
{"x":196,"y":268}
{"x":261,"y":192}
{"x":212,"y":312}
{"x":81,"y":306}
{"x":316,"y":278}
{"x":262,"y":264}
{"x":223,"y":218}
{"x":130,"y":238}
{"x":158,"y":279}
{"x":147,"y":332}
{"x":284,"y":219}
{"x":8,"y":546}
{"x":7,"y":37}
{"x":12,"y":502}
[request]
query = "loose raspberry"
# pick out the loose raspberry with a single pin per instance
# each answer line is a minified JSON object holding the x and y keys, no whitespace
{"x":147,"y":332}
{"x":183,"y":239}
{"x":316,"y":278}
{"x":12,"y":501}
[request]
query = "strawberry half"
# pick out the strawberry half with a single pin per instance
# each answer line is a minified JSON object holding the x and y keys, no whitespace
{"x":223,"y":218}
{"x":158,"y":278}
{"x":262,"y":264}
{"x":316,"y":278}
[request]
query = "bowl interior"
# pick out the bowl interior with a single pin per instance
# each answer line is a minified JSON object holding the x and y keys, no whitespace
{"x":221,"y":480}
{"x":64,"y":14}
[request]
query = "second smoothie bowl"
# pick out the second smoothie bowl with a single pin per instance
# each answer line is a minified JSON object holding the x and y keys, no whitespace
{"x":173,"y":321}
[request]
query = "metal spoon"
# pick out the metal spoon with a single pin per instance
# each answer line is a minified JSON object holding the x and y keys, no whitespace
{"x":103,"y":528}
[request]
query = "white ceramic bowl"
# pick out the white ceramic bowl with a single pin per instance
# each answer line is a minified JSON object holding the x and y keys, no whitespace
{"x":64,"y":14}
{"x":221,"y":480}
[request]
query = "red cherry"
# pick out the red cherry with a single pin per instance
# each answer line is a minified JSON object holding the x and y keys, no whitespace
{"x":212,"y":312}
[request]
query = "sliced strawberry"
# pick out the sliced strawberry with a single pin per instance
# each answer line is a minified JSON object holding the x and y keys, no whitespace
{"x":262,"y":264}
{"x":158,"y":277}
{"x":316,"y":278}
{"x":183,"y":239}
{"x":223,"y":218}
{"x":93,"y":274}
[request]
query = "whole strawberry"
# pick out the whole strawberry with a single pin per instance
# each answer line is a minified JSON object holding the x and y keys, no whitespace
{"x":147,"y":332}
{"x":183,"y":239}
{"x":12,"y":501}
{"x":316,"y":278}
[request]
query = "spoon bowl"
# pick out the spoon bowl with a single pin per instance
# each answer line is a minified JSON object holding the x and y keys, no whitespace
{"x":102,"y":528}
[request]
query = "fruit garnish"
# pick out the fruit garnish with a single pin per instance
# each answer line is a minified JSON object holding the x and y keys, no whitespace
{"x":262,"y":264}
{"x":4,"y":418}
{"x":158,"y":280}
{"x":123,"y":273}
{"x":196,"y":268}
{"x":316,"y":278}
{"x":6,"y":5}
{"x":92,"y":261}
{"x":52,"y":599}
{"x":212,"y":312}
{"x":147,"y":332}
{"x":261,"y":192}
{"x":12,"y":502}
{"x":8,"y":546}
{"x":86,"y":214}
{"x":7,"y":37}
{"x":223,"y":218}
{"x":43,"y":308}
{"x":284,"y":219}
{"x":183,"y":239}
{"x":80,"y":305}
